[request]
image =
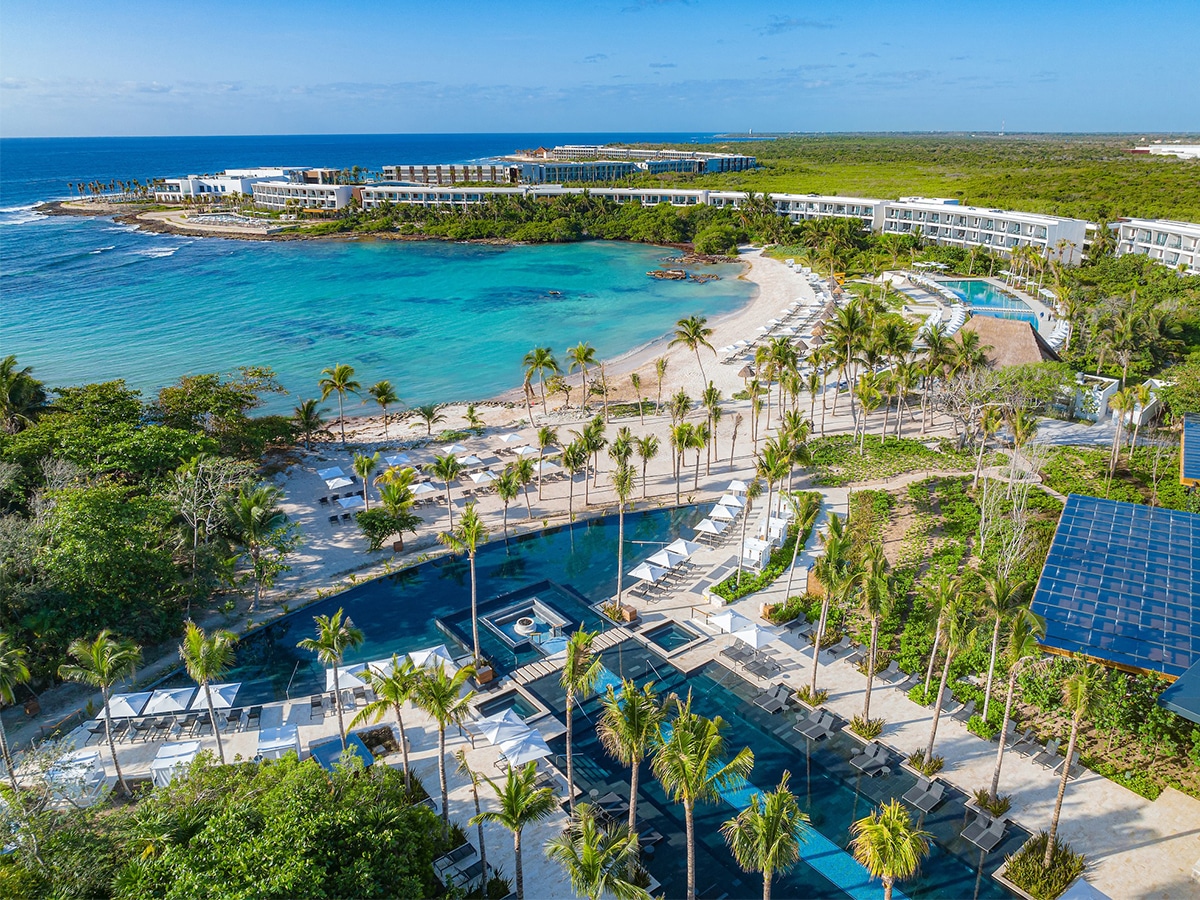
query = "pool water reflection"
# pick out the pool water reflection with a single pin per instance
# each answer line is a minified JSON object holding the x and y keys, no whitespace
{"x":985,"y":300}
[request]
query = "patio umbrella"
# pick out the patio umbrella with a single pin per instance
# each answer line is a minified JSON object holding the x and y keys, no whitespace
{"x":455,"y":448}
{"x":350,"y":502}
{"x":398,"y":459}
{"x":510,"y":438}
{"x":746,"y":372}
{"x":686,"y":547}
{"x":647,"y":572}
{"x":482,"y":477}
{"x":223,"y":696}
{"x":527,"y":451}
{"x":340,"y":482}
{"x":470,"y":459}
{"x":423,"y":488}
{"x":755,"y":636}
{"x":502,"y":726}
{"x":383,"y":667}
{"x":738,"y":487}
{"x":525,"y":749}
{"x":347,"y":677}
{"x":708,"y":526}
{"x":731,"y":501}
{"x":667,"y":559}
{"x":169,"y":700}
{"x":331,"y":472}
{"x":545,"y":467}
{"x":432,"y":657}
{"x":123,"y":706}
{"x":722,"y":512}
{"x":729,"y":621}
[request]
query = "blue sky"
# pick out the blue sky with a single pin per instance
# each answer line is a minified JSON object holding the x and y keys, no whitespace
{"x":81,"y":67}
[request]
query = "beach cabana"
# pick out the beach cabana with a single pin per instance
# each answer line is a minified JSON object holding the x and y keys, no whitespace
{"x":351,"y":502}
{"x":756,"y":636}
{"x":169,"y":700}
{"x":667,"y":558}
{"x":708,"y":526}
{"x":171,"y":760}
{"x":275,"y":743}
{"x":328,"y":751}
{"x":347,"y":677}
{"x":683,"y":546}
{"x":432,"y":657}
{"x":729,"y":621}
{"x":525,"y":749}
{"x":330,"y":473}
{"x":126,"y":706}
{"x":646,"y":572}
{"x":723,"y":512}
{"x":503,"y":726}
{"x":223,"y":696}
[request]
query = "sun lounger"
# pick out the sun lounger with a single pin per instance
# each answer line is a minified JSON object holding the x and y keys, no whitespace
{"x":964,"y":713}
{"x":985,"y":832}
{"x":1074,"y":769}
{"x":443,"y":865}
{"x":890,"y":674}
{"x":908,"y":683}
{"x":873,"y":760}
{"x":1027,"y":743}
{"x":345,"y":517}
{"x":1048,"y":757}
{"x":855,"y":656}
{"x":819,"y":724}
{"x":736,"y":654}
{"x":774,"y":699}
{"x":324,"y":501}
{"x":839,"y":648}
{"x":926,"y":794}
{"x":140,"y":727}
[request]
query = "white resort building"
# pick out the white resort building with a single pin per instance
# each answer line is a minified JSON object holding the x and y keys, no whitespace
{"x":284,"y":195}
{"x":1171,"y":243}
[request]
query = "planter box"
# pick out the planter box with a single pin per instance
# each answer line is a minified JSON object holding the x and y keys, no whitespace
{"x":629,"y":613}
{"x":484,"y":674}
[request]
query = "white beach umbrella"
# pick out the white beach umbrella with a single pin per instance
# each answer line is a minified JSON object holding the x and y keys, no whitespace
{"x":755,"y":636}
{"x":545,"y":467}
{"x":423,"y":488}
{"x":483,"y":476}
{"x":510,"y":438}
{"x":454,"y":448}
{"x":686,"y":547}
{"x":124,"y":706}
{"x":729,"y":621}
{"x":666,"y":558}
{"x":732,"y":501}
{"x":398,"y":459}
{"x":350,"y":502}
{"x":384,"y":667}
{"x":708,"y":526}
{"x":738,"y":487}
{"x":331,"y":472}
{"x":525,"y":749}
{"x":647,"y":572}
{"x":721,"y":512}
{"x":432,"y":657}
{"x":347,"y":677}
{"x":505,"y":725}
{"x":169,"y":700}
{"x":334,"y":483}
{"x":469,"y":459}
{"x":527,"y":451}
{"x":223,"y":696}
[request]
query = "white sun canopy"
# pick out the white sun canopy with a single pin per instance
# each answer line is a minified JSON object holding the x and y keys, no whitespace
{"x":510,"y":438}
{"x":223,"y":696}
{"x":340,"y":482}
{"x":347,"y":677}
{"x":432,"y":657}
{"x":755,"y":636}
{"x":423,"y":488}
{"x":398,"y":459}
{"x":686,"y":547}
{"x":708,"y":526}
{"x":274,"y":743}
{"x":729,"y":621}
{"x":505,"y":725}
{"x":666,"y":558}
{"x":124,"y":706}
{"x":169,"y":700}
{"x":171,"y":760}
{"x":647,"y":572}
{"x":723,"y":512}
{"x":525,"y":749}
{"x":331,"y":472}
{"x":482,"y":477}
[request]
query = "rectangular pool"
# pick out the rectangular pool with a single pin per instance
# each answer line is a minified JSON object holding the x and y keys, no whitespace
{"x":513,"y":700}
{"x":985,"y":300}
{"x":672,"y":636}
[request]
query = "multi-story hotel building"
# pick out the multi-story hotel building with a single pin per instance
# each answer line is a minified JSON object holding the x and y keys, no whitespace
{"x":228,"y":183}
{"x":284,"y":195}
{"x":1171,"y":243}
{"x":709,"y":162}
{"x":454,"y":174}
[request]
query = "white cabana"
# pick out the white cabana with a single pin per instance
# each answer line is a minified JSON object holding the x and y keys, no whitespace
{"x":432,"y":657}
{"x":275,"y":743}
{"x":169,"y":700}
{"x":723,"y":512}
{"x":423,"y":488}
{"x":755,"y":636}
{"x":482,"y":477}
{"x":125,"y":706}
{"x":223,"y":696}
{"x":729,"y":621}
{"x":685,"y":547}
{"x":505,"y":725}
{"x":667,"y":558}
{"x":646,"y":572}
{"x":455,"y":449}
{"x":331,"y":472}
{"x":351,"y":502}
{"x":398,"y":459}
{"x":77,"y":775}
{"x":737,"y":486}
{"x":340,"y":482}
{"x":525,"y":749}
{"x":708,"y":526}
{"x":172,"y":758}
{"x":347,"y":677}
{"x":731,"y":501}
{"x":511,"y":438}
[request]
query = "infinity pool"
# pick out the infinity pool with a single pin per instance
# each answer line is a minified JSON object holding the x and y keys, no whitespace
{"x":829,"y":789}
{"x":986,"y":300}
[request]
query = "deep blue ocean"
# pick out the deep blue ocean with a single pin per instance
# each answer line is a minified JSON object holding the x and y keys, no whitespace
{"x":85,"y":299}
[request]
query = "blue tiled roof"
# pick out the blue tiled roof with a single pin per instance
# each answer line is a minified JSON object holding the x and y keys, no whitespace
{"x":1190,"y":464}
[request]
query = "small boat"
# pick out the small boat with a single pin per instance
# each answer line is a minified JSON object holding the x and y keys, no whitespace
{"x":554,"y":293}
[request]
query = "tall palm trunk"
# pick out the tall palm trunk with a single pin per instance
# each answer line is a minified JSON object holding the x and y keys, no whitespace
{"x":519,"y":868}
{"x":644,"y":478}
{"x":620,"y":546}
{"x":528,"y":508}
{"x":688,"y":817}
{"x":449,"y":505}
{"x":474,"y":609}
{"x":404,"y":751}
{"x":445,"y":793}
{"x":937,"y":709}
{"x":817,"y":641}
{"x":1062,"y":789}
{"x":795,"y":552}
{"x":871,"y":667}
{"x":1008,"y":702}
{"x":212,"y":717}
{"x":937,"y":639}
{"x":112,"y":744}
{"x":571,"y":499}
{"x":987,"y":694}
{"x":8,"y":761}
{"x":342,"y":419}
{"x":633,"y":793}
{"x":742,"y":548}
{"x":570,"y":749}
{"x":337,"y":702}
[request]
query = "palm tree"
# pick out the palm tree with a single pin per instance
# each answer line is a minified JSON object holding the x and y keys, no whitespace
{"x":308,"y":420}
{"x":1081,"y":694}
{"x":507,"y":489}
{"x":582,"y":355}
{"x":540,"y":361}
{"x":471,"y":532}
{"x":877,"y":602}
{"x":474,"y":777}
{"x":22,"y":397}
{"x":574,"y":460}
{"x":958,"y":634}
{"x":255,"y":515}
{"x":765,"y":836}
{"x":622,"y":480}
{"x":392,"y":691}
{"x":546,"y":438}
{"x":339,"y":380}
{"x":522,"y":470}
{"x":442,"y":697}
{"x":364,"y":466}
{"x":521,"y":803}
{"x":207,"y":658}
{"x":13,"y":671}
{"x":581,"y":670}
{"x":660,"y":371}
{"x":688,"y":765}
{"x":635,"y":381}
{"x":628,"y":728}
{"x":101,"y":663}
{"x":646,"y":448}
{"x":335,"y":635}
{"x":832,"y":570}
{"x":938,"y":598}
{"x":888,"y":846}
{"x":385,"y":395}
{"x":597,"y":858}
{"x":431,"y":415}
{"x":753,"y":492}
{"x":681,"y":439}
{"x":1023,"y":649}
{"x":693,"y":332}
{"x":1002,"y":599}
{"x":446,"y":469}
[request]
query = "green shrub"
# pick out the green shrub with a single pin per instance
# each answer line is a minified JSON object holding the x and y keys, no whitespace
{"x":1024,"y":868}
{"x":983,"y":800}
{"x":977,"y":726}
{"x":867,"y":728}
{"x":917,"y":693}
{"x":916,"y":759}
{"x":734,"y":588}
{"x":807,"y":696}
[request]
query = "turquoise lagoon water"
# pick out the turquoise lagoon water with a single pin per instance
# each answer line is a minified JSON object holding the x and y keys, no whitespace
{"x":90,"y":300}
{"x":985,"y":300}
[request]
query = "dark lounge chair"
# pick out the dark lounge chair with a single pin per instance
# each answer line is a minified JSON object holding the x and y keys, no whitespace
{"x":818,"y":725}
{"x":925,"y":795}
{"x":985,"y":832}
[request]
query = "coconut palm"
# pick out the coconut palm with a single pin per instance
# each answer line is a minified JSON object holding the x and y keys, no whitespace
{"x":546,"y":438}
{"x":392,"y":690}
{"x":1002,"y":599}
{"x":958,"y":634}
{"x":937,"y":598}
{"x":521,"y":804}
{"x":1080,"y":694}
{"x":364,"y":467}
{"x":681,"y":438}
{"x":753,"y":492}
{"x":256,"y":516}
{"x":460,"y":755}
{"x":660,"y":371}
{"x":13,"y":671}
{"x":207,"y":658}
{"x":507,"y":489}
{"x":385,"y":395}
{"x":581,"y":356}
{"x":431,"y":415}
{"x":628,"y":729}
{"x":581,"y":670}
{"x":335,"y":635}
{"x":574,"y":459}
{"x":635,"y":381}
{"x":688,"y":764}
{"x":339,"y":380}
{"x":765,"y":836}
{"x":101,"y":663}
{"x":837,"y":580}
{"x":1023,"y":649}
{"x":309,"y":421}
{"x":878,"y":598}
{"x":646,"y":448}
{"x":597,"y":858}
{"x":888,"y":846}
{"x":540,"y":361}
{"x":471,"y":532}
{"x":523,"y":471}
{"x":22,"y":397}
{"x":446,"y":469}
{"x":442,"y":697}
{"x":693,"y":332}
{"x":623,"y":483}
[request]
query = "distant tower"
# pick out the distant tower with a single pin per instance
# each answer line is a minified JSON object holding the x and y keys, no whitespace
{"x":1002,"y":128}
{"x":751,"y":131}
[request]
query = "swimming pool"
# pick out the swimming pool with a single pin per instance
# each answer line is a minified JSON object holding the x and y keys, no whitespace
{"x":829,"y":789}
{"x":986,"y":300}
{"x":513,"y":700}
{"x":672,"y":636}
